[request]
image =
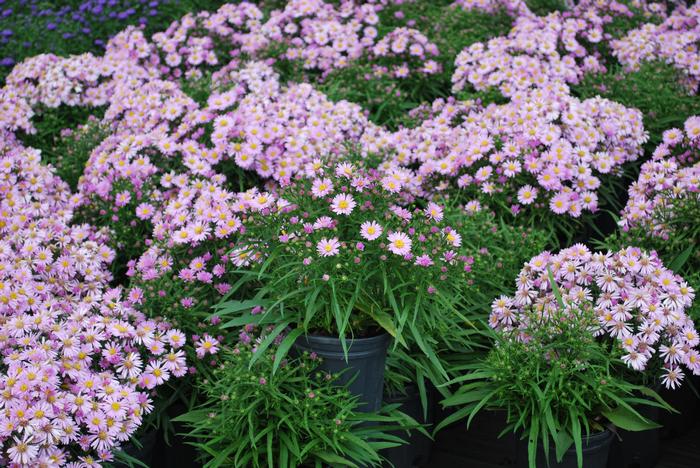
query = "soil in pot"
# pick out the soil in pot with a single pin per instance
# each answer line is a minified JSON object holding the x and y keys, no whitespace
{"x":363,"y":367}
{"x":595,"y":450}
{"x":631,"y":449}
{"x":416,"y":451}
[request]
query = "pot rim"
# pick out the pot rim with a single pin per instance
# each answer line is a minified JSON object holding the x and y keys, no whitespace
{"x":331,"y":347}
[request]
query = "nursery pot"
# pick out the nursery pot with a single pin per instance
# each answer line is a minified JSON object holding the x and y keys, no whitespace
{"x":364,"y":363}
{"x":686,"y":402}
{"x":636,"y":449}
{"x":595,"y":448}
{"x":479,"y":443}
{"x":416,"y":451}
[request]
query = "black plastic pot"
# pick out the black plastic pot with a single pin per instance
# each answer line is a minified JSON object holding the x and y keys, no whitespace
{"x":595,"y":453}
{"x":686,"y":402}
{"x":365,"y":363}
{"x":479,"y":443}
{"x":695,"y":381}
{"x":640,"y":449}
{"x":416,"y":451}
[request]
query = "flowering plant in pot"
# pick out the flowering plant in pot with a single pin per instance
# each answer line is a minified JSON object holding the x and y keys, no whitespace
{"x":639,"y":308}
{"x":660,"y":215}
{"x":543,"y":152}
{"x":80,"y":362}
{"x":296,"y":415}
{"x":347,"y":259}
{"x":557,"y":384}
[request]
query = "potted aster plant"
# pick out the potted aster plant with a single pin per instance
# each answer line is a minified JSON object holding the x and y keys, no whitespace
{"x":639,"y":305}
{"x":557,"y":387}
{"x":346,"y":259}
{"x":295,"y":416}
{"x":556,"y":368}
{"x":660,"y":215}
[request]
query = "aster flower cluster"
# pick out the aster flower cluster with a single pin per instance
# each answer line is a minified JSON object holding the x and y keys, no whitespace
{"x":319,"y":35}
{"x":640,"y":305}
{"x":79,"y":360}
{"x":49,"y":81}
{"x":406,"y":52}
{"x":201,"y":40}
{"x":674,"y":41}
{"x":544,"y":148}
{"x":343,"y":235}
{"x":276,"y":130}
{"x":667,"y":182}
{"x":514,"y":8}
{"x":540,"y":51}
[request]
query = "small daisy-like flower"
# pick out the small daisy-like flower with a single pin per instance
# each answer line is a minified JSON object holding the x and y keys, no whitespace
{"x":328,"y":247}
{"x":370,"y":230}
{"x":321,"y":187}
{"x":527,"y":194}
{"x":399,"y":243}
{"x":434,"y":212}
{"x":144,"y":211}
{"x":673,"y":377}
{"x":207,"y":345}
{"x":453,"y":237}
{"x":343,"y":204}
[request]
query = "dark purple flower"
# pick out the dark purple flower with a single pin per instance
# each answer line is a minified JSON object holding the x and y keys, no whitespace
{"x":7,"y":62}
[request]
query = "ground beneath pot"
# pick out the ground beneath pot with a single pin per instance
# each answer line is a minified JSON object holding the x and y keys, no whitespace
{"x":479,"y":447}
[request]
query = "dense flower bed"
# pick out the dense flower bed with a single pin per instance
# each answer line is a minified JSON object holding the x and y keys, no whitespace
{"x":229,"y":203}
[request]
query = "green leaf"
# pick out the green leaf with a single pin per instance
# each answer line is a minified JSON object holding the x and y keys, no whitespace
{"x":384,"y":320}
{"x":562,"y":442}
{"x":283,"y":348}
{"x":629,"y":420}
{"x":334,"y":459}
{"x":576,"y":434}
{"x":555,"y":288}
{"x":269,"y":339}
{"x":680,"y":260}
{"x":128,"y":459}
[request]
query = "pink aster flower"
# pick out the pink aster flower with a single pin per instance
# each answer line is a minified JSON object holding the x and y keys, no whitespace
{"x":343,"y":204}
{"x":321,"y":187}
{"x":144,"y":211}
{"x":371,"y":230}
{"x":328,"y":247}
{"x":527,"y":194}
{"x":207,"y":345}
{"x":399,"y":243}
{"x":434,"y":212}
